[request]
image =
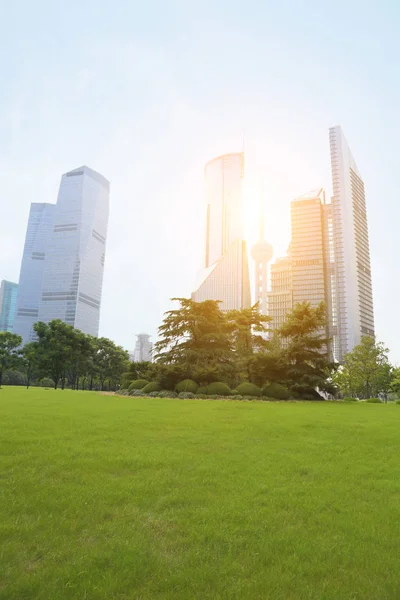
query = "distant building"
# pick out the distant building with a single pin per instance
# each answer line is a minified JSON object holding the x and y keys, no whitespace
{"x":8,"y":305}
{"x":39,"y":230}
{"x":353,"y":294}
{"x":226,"y":273}
{"x":261,"y":253}
{"x":75,"y":253}
{"x":143,"y":348}
{"x":280,"y":296}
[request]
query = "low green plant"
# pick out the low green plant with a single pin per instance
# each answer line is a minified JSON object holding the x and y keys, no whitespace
{"x":187,"y":385}
{"x":151,"y":387}
{"x":276,"y":391}
{"x":397,"y":401}
{"x":219,"y":388}
{"x":186,"y":395}
{"x":167,"y":394}
{"x":350,"y":399}
{"x":134,"y":392}
{"x":154,"y":394}
{"x":374,"y":401}
{"x":138,"y":384}
{"x":202,"y":390}
{"x":248,"y":389}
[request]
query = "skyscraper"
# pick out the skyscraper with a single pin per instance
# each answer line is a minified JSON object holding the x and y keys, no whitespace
{"x":261,"y":253}
{"x":40,"y":226}
{"x":8,"y":304}
{"x":226,"y":273}
{"x":143,"y":348}
{"x":280,"y":296}
{"x":354,"y":302}
{"x":75,"y":254}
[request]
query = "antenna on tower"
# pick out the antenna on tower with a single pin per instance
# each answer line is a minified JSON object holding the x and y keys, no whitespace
{"x":261,"y":216}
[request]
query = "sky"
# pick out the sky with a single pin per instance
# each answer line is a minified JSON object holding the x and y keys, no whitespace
{"x":147,"y":92}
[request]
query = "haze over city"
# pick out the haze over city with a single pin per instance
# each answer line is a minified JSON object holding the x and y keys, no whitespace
{"x":80,"y":90}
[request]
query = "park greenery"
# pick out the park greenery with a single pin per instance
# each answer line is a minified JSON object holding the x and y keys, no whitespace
{"x":203,"y":351}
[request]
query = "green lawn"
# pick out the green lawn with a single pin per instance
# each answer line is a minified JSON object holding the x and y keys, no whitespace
{"x":106,"y":497}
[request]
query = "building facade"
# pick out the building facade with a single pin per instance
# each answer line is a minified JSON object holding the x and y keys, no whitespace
{"x":143,"y":348}
{"x":280,"y":297}
{"x":40,"y":226}
{"x":8,"y":305}
{"x":226,"y":274}
{"x":75,"y":255}
{"x":354,"y":300}
{"x":261,"y":254}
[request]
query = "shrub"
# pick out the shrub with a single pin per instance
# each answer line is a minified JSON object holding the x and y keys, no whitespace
{"x":212,"y":397}
{"x":202,"y":390}
{"x":139,"y":384}
{"x":276,"y":391}
{"x":397,"y":401}
{"x":248,"y":389}
{"x":136,"y":393}
{"x":186,"y":395}
{"x":349,"y":399}
{"x":154,"y":394}
{"x":187,"y":385}
{"x":167,"y":394}
{"x":234,"y":393}
{"x":221,"y":389}
{"x":374,"y":401}
{"x":151,"y":387}
{"x":46,"y":382}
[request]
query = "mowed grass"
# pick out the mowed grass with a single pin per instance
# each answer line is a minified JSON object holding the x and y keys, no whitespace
{"x":106,"y":497}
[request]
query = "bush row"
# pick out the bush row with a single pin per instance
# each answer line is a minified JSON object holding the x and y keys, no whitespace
{"x":188,"y":386}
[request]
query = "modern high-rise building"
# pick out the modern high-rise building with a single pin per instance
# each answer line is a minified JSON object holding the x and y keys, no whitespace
{"x":143,"y":348}
{"x":354,"y":301}
{"x":40,"y":227}
{"x":8,"y":305}
{"x":261,"y":253}
{"x":75,"y":253}
{"x":280,"y":296}
{"x":226,"y":273}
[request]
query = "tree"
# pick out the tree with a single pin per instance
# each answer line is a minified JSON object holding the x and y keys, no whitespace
{"x":9,"y":343}
{"x":111,"y":362}
{"x":306,"y":358}
{"x":55,"y":349}
{"x":249,"y":336}
{"x":198,"y":338}
{"x":366,"y":370}
{"x":30,"y":361}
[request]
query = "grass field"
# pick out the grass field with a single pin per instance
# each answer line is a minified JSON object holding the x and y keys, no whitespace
{"x":106,"y":497}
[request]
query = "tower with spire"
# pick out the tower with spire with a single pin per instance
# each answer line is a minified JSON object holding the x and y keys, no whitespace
{"x":261,"y":253}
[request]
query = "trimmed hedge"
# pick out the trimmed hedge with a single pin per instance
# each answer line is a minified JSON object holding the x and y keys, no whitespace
{"x":134,"y":392}
{"x":187,"y":385}
{"x":186,"y":395}
{"x":349,"y":399}
{"x":276,"y":391}
{"x":374,"y":401}
{"x":139,"y":384}
{"x":151,"y":387}
{"x":248,"y":389}
{"x":202,"y":390}
{"x":219,"y":388}
{"x":167,"y":394}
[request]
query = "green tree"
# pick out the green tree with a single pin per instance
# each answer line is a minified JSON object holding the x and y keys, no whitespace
{"x":197,"y":337}
{"x":307,"y":366}
{"x":30,"y":361}
{"x":9,"y":343}
{"x":249,"y":329}
{"x":111,"y":362}
{"x":366,"y":370}
{"x":55,"y":349}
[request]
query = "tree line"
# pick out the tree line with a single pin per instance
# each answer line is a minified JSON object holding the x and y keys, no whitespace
{"x":65,"y":356}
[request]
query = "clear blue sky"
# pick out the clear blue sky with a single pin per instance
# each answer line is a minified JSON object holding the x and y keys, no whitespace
{"x":147,"y":92}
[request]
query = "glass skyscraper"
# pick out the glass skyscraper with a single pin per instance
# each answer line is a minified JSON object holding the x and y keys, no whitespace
{"x":40,"y":226}
{"x":226,"y":273}
{"x":63,"y":261}
{"x":74,"y":265}
{"x":8,"y":304}
{"x":353,"y":294}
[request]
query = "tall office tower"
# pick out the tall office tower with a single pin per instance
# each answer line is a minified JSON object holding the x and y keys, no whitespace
{"x":280,"y":296}
{"x":261,"y":253}
{"x":226,"y":274}
{"x":355,"y":313}
{"x":143,"y":348}
{"x":40,"y":226}
{"x":8,"y":304}
{"x":75,"y":253}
